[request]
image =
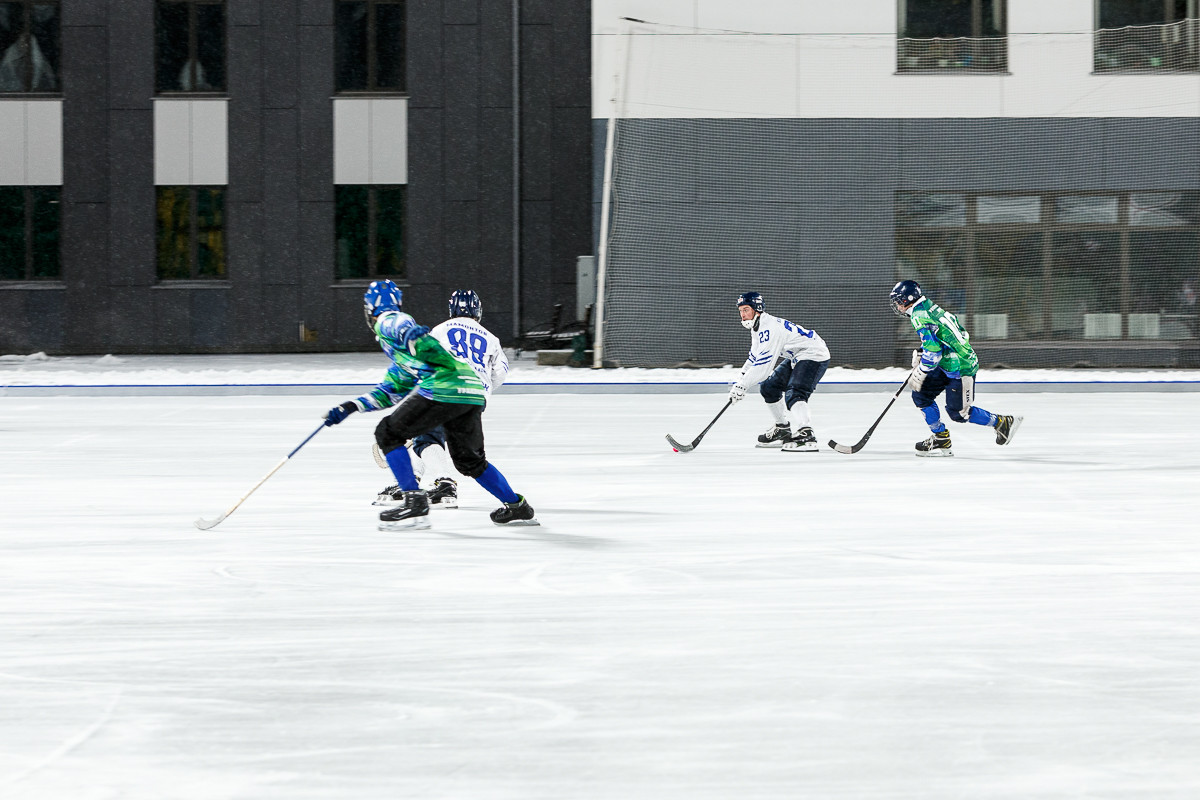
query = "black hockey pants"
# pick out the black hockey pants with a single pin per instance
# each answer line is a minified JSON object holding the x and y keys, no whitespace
{"x":416,"y":415}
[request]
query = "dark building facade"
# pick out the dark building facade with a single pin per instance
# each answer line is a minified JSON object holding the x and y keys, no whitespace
{"x":273,"y":223}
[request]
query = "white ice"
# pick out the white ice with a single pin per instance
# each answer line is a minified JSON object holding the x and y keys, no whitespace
{"x":1017,"y":622}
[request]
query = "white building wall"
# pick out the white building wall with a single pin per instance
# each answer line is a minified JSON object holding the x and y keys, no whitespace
{"x":839,"y":60}
{"x":370,"y":141}
{"x":191,"y":142}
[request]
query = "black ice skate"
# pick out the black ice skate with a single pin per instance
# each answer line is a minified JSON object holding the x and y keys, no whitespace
{"x":411,"y":514}
{"x":1006,"y":428}
{"x":775,"y":435}
{"x":802,"y":442}
{"x":444,"y":493}
{"x":391,"y":496}
{"x":518,"y":513}
{"x":936,"y":445}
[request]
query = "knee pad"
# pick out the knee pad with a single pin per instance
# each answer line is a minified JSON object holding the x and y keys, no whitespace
{"x":797,"y":396}
{"x":472,"y":465}
{"x":386,"y":439}
{"x":769,"y":393}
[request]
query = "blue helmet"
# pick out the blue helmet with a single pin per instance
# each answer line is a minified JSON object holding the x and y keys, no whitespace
{"x":752,"y":299}
{"x":755,"y":301}
{"x":903,"y":295}
{"x":465,"y":303}
{"x":381,"y":296}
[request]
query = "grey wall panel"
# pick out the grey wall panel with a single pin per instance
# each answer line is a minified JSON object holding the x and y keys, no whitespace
{"x":279,"y":307}
{"x":281,"y":58}
{"x":316,"y":271}
{"x":85,"y":167}
{"x":425,"y":231}
{"x":85,"y":85}
{"x":537,"y":123}
{"x":209,"y":317}
{"x":462,"y":113}
{"x":571,"y":214}
{"x":537,"y":262}
{"x":130,"y":323}
{"x":1153,"y":154}
{"x":244,"y":237}
{"x":46,"y":312}
{"x":424,"y":54}
{"x":130,"y":59}
{"x":462,"y":255}
{"x":85,"y":259}
{"x":280,"y":188}
{"x":84,"y":12}
{"x":245,"y":114}
{"x":495,"y":54}
{"x":460,"y":12}
{"x":131,"y":198}
{"x":538,"y":12}
{"x":244,"y":12}
{"x":315,"y":154}
{"x":316,"y":12}
{"x":172,"y":314}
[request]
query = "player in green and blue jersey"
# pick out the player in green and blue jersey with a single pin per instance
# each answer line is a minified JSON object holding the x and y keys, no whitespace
{"x":946,"y":363}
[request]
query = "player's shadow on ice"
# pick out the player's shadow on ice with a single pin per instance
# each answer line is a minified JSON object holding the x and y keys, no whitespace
{"x":533,"y":534}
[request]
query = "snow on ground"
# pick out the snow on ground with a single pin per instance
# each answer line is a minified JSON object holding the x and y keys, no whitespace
{"x":365,"y":369}
{"x":1013,"y":622}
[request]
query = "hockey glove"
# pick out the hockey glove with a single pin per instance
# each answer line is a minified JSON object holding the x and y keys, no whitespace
{"x":736,"y":392}
{"x":917,"y":379}
{"x":338,"y":413}
{"x":916,"y":357}
{"x":410,"y":335}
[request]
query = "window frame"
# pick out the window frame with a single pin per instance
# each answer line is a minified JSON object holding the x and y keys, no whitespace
{"x":372,"y":54}
{"x":193,"y":48}
{"x":976,"y":34}
{"x":194,"y":235}
{"x":26,"y":31}
{"x":1048,"y":226}
{"x":28,"y":237}
{"x":373,"y":272}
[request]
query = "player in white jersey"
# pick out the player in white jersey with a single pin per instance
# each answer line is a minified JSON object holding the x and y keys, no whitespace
{"x":803,"y":358}
{"x":467,"y":340}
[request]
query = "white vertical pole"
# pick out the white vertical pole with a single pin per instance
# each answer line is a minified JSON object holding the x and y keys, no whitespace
{"x":619,"y":74}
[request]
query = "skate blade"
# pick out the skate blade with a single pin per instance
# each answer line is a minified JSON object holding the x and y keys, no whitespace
{"x":935,"y":454}
{"x":768,"y":445}
{"x":518,"y":523}
{"x":389,"y":503}
{"x":806,"y":448}
{"x":412,"y":524}
{"x":445,"y":504}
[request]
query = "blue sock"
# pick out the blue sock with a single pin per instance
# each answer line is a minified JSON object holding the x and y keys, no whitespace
{"x":494,"y":482}
{"x":401,"y":466}
{"x":981,"y":417}
{"x":933,"y":418}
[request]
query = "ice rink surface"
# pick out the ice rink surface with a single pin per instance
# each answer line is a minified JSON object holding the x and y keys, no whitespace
{"x":1019,"y":622}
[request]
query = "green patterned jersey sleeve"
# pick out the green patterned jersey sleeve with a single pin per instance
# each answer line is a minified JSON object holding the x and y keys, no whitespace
{"x":944,"y":340}
{"x":452,"y":380}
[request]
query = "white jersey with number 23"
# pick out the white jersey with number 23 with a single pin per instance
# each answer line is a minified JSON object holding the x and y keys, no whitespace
{"x":469,"y":341}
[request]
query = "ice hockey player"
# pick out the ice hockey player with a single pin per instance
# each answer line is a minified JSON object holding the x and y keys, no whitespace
{"x":788,"y":386}
{"x":438,"y":389}
{"x":946,"y":363}
{"x":464,"y":336}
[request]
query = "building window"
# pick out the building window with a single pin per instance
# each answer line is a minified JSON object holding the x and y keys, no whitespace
{"x":370,"y":46}
{"x":29,"y":218}
{"x":370,"y":232}
{"x":189,"y":46}
{"x":951,"y":36}
{"x":1055,"y":266}
{"x":191,"y":232}
{"x":29,"y":44}
{"x":1147,"y":36}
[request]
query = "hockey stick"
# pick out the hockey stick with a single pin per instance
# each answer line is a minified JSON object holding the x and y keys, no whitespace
{"x":209,"y":524}
{"x":687,"y":448}
{"x":854,"y":448}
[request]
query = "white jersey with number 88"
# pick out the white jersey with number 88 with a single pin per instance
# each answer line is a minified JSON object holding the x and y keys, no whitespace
{"x":469,"y":341}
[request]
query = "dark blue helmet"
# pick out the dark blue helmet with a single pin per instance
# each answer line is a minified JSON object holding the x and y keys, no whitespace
{"x":465,"y":303}
{"x":380,"y":296}
{"x":752,"y":299}
{"x":903,"y":295}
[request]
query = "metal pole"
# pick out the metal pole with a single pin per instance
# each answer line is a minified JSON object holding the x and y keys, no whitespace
{"x":516,"y":168}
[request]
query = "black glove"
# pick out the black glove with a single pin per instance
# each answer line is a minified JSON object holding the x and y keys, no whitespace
{"x":411,"y":334}
{"x":339,"y":413}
